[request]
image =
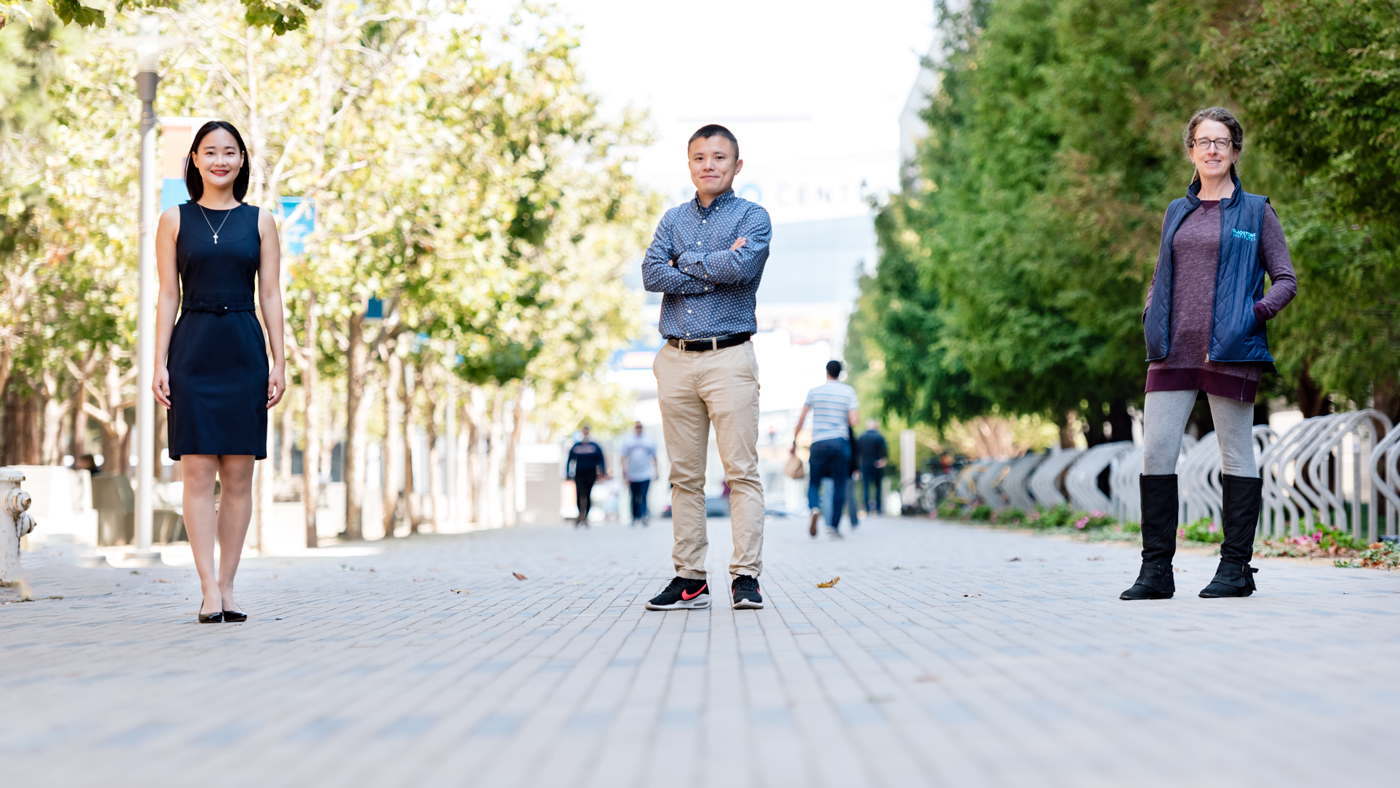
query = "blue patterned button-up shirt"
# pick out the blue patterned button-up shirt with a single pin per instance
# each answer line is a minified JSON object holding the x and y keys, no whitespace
{"x":709,"y":290}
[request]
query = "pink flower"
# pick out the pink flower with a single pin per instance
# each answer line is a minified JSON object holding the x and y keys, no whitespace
{"x":1181,"y":532}
{"x":1081,"y":522}
{"x":1210,"y":528}
{"x":1096,"y":514}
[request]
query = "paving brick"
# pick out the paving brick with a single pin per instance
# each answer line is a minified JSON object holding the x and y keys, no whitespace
{"x":935,"y":661}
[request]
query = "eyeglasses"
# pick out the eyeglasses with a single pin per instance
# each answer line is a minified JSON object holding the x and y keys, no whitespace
{"x":1222,"y":144}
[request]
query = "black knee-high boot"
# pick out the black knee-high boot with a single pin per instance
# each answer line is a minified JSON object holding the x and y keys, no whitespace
{"x":1159,"y":516}
{"x":1240,"y":501}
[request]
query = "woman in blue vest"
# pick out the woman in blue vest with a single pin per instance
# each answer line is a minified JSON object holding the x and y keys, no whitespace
{"x":1205,"y":326}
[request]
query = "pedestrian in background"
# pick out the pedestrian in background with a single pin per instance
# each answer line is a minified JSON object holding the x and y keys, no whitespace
{"x":213,"y":254}
{"x":874,"y":455}
{"x":638,"y":469}
{"x":586,"y":465}
{"x":707,"y":257}
{"x":1205,"y":328}
{"x":834,"y":410}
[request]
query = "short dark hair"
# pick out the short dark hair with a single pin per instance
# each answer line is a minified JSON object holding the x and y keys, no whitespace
{"x":194,"y":182}
{"x":714,"y":130}
{"x":833,"y":369}
{"x":1222,"y":116}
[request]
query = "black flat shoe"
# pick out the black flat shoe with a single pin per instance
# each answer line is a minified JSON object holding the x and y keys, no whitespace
{"x":212,"y":618}
{"x":235,"y":616}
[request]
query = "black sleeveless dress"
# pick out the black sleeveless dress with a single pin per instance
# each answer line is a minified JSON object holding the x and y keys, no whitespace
{"x":218,"y":357}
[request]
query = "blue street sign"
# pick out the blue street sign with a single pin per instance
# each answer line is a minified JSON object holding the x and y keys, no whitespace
{"x":296,"y":232}
{"x":172,"y":193}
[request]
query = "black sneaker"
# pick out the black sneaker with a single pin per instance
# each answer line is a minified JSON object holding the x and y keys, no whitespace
{"x":746,"y":593}
{"x":682,"y":594}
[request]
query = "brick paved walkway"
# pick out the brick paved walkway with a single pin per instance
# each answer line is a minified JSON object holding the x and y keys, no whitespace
{"x":937,"y":660}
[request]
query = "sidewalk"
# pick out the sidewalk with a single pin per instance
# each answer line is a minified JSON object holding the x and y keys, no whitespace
{"x":939,"y":659}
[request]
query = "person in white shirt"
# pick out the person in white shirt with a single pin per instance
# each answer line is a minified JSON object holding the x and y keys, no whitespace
{"x":638,"y":469}
{"x":835,"y":410}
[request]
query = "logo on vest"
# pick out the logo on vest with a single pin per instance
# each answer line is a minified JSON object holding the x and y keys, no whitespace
{"x":1248,"y":236}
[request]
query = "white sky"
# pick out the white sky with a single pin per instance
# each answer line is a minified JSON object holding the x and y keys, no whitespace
{"x":813,"y":89}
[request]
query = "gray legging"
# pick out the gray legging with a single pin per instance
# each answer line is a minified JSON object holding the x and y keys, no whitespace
{"x":1164,"y":420}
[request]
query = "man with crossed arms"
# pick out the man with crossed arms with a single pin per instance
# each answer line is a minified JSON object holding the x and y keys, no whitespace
{"x":707,"y":258}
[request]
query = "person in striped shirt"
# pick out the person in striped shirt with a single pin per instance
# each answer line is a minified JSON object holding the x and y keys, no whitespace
{"x":835,"y":411}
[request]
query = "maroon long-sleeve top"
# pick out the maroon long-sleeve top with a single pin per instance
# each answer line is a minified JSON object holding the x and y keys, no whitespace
{"x":1195,"y":258}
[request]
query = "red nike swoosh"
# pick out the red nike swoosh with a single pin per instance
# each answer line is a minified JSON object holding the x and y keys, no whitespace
{"x":688,"y":597}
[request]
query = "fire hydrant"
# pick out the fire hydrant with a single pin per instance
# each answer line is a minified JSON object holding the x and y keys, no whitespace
{"x":15,"y":521}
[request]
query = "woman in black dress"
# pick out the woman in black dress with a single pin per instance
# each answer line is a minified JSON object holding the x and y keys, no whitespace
{"x":212,"y":368}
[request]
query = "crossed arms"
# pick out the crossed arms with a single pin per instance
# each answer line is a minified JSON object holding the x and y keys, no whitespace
{"x":664,"y":270}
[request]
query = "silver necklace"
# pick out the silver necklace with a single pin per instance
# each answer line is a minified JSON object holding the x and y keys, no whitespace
{"x":211,"y":224}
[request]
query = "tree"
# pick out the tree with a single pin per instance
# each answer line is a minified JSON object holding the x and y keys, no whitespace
{"x":1318,"y":81}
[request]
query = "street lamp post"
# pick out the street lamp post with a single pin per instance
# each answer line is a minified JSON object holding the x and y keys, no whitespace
{"x":148,"y":45}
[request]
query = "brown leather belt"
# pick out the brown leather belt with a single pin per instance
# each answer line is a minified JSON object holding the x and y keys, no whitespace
{"x":708,"y":343}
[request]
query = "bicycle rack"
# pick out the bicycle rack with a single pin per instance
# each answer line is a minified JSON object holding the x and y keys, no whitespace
{"x":1016,"y":485}
{"x":1082,"y":480}
{"x":987,"y":482}
{"x":1045,"y":481}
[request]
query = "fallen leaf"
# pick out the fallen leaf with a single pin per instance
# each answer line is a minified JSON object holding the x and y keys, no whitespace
{"x":518,"y":576}
{"x":830,"y":583}
{"x":1095,"y":558}
{"x":420,"y":579}
{"x":460,"y":591}
{"x":972,"y":595}
{"x":1178,"y":569}
{"x":163,"y":580}
{"x":1009,"y":560}
{"x":899,"y":567}
{"x":371,"y":569}
{"x":134,"y":572}
{"x":577,"y":584}
{"x":272,"y":577}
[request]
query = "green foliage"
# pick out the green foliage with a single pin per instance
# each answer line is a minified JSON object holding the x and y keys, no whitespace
{"x":1013,"y":269}
{"x":1010,"y":515}
{"x":980,"y":513}
{"x":1381,"y":555}
{"x":1203,"y":530}
{"x":1058,"y":516}
{"x":279,"y":17}
{"x":951,"y":509}
{"x":74,"y":12}
{"x":1132,"y":528}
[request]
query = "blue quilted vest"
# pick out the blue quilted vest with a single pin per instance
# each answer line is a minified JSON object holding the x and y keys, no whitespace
{"x":1235,"y":335}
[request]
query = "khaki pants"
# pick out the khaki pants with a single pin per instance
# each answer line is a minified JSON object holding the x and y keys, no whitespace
{"x":694,"y":390}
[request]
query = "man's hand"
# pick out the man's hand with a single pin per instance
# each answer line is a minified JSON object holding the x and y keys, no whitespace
{"x":793,"y":450}
{"x":737,"y":245}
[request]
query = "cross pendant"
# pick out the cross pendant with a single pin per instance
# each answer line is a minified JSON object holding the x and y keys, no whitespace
{"x":216,"y":238}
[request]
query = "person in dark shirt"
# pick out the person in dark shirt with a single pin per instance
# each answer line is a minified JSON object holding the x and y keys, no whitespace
{"x":874,"y":456}
{"x":586,"y":465}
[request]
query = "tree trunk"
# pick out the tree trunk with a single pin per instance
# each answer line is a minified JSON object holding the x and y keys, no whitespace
{"x":311,"y":427}
{"x":495,"y":440}
{"x":410,"y":511}
{"x":434,"y":471}
{"x":1066,"y":431}
{"x":390,"y":489}
{"x":1093,"y":424}
{"x":21,"y":427}
{"x":77,"y":428}
{"x":356,"y":418}
{"x":517,"y":428}
{"x":1120,"y":422}
{"x":288,"y":429}
{"x":55,"y":410}
{"x":1385,"y":395}
{"x":1312,"y":400}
